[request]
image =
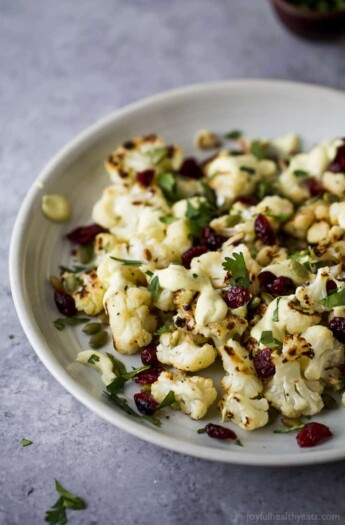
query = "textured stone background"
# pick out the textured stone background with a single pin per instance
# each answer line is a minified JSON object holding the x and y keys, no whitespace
{"x":64,"y":64}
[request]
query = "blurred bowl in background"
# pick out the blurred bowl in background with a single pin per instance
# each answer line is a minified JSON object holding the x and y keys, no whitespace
{"x":310,"y":24}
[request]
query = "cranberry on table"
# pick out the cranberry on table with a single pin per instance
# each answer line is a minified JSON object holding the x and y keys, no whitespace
{"x":264,"y":230}
{"x":65,"y":303}
{"x":149,"y":376}
{"x":315,"y":187}
{"x":145,"y":177}
{"x":313,"y":434}
{"x":85,"y":234}
{"x":149,"y":355}
{"x":237,"y":296}
{"x":281,"y":286}
{"x":337,"y":326}
{"x":188,"y":255}
{"x":211,"y":239}
{"x":145,"y":403}
{"x":191,"y":169}
{"x":263,"y":364}
{"x":219,"y":432}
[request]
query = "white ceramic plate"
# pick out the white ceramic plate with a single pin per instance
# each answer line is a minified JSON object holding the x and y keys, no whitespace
{"x":261,"y":109}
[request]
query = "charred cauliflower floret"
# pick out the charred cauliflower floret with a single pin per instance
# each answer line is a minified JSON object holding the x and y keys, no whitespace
{"x":185,"y":351}
{"x":240,"y":402}
{"x":311,"y":294}
{"x":130,"y":319}
{"x":89,"y":293}
{"x":234,"y":176}
{"x":290,"y":393}
{"x":140,"y":154}
{"x":194,"y":394}
{"x":328,"y":353}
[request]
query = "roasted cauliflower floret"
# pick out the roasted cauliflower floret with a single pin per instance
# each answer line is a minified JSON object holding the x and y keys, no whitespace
{"x":102,"y":363}
{"x":327,"y":352}
{"x":88,"y":297}
{"x":240,"y":402}
{"x":130,"y":319}
{"x":310,"y":294}
{"x":292,"y":319}
{"x":194,"y":394}
{"x":140,"y":154}
{"x":249,"y":414}
{"x":185,"y":351}
{"x":275,"y":207}
{"x":290,"y":393}
{"x":234,"y":176}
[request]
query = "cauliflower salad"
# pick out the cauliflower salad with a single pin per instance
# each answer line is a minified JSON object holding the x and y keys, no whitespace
{"x":238,"y":259}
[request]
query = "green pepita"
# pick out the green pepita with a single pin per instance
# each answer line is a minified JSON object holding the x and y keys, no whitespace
{"x":299,"y":269}
{"x":56,"y":283}
{"x":103,"y":318}
{"x":85,"y":253}
{"x":290,"y":422}
{"x":92,"y":328}
{"x":99,"y":339}
{"x":71,"y":283}
{"x":232,"y":220}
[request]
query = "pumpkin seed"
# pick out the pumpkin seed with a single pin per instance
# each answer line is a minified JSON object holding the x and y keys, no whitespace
{"x":299,"y":269}
{"x":56,"y":283}
{"x":56,"y":207}
{"x":99,"y":339}
{"x":71,"y":283}
{"x":92,"y":328}
{"x":104,"y":318}
{"x":290,"y":422}
{"x":329,"y":402}
{"x":85,"y":253}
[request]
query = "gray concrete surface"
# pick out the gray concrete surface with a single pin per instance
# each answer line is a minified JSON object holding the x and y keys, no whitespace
{"x":63,"y":65}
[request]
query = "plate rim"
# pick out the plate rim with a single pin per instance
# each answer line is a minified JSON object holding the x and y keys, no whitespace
{"x":31,"y":330}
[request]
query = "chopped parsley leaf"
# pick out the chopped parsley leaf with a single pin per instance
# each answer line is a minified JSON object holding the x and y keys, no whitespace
{"x":168,"y":184}
{"x":57,"y":514}
{"x":259,"y":149}
{"x":25,"y":442}
{"x":233,"y":135}
{"x":335,"y":299}
{"x":93,"y":359}
{"x":237,"y":267}
{"x":251,"y":171}
{"x":154,"y":288}
{"x":269,"y":341}
{"x":168,"y":219}
{"x":200,"y":217}
{"x":275,"y":317}
{"x":301,"y":173}
{"x":127,"y":262}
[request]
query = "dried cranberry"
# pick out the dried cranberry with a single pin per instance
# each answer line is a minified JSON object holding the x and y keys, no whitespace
{"x":342,"y":369}
{"x":146,"y":403}
{"x":266,"y":278}
{"x":149,"y":376}
{"x":192,"y":252}
{"x":264,"y":230}
{"x":219,"y":432}
{"x":263,"y":363}
{"x":190,"y":168}
{"x":65,"y":303}
{"x":315,"y":187}
{"x":338,"y":165}
{"x":237,"y":296}
{"x":337,"y":326}
{"x":211,"y":239}
{"x":145,"y":177}
{"x":149,"y":355}
{"x":330,"y":286}
{"x":84,"y":234}
{"x":312,"y":434}
{"x":250,"y":200}
{"x":281,"y":286}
